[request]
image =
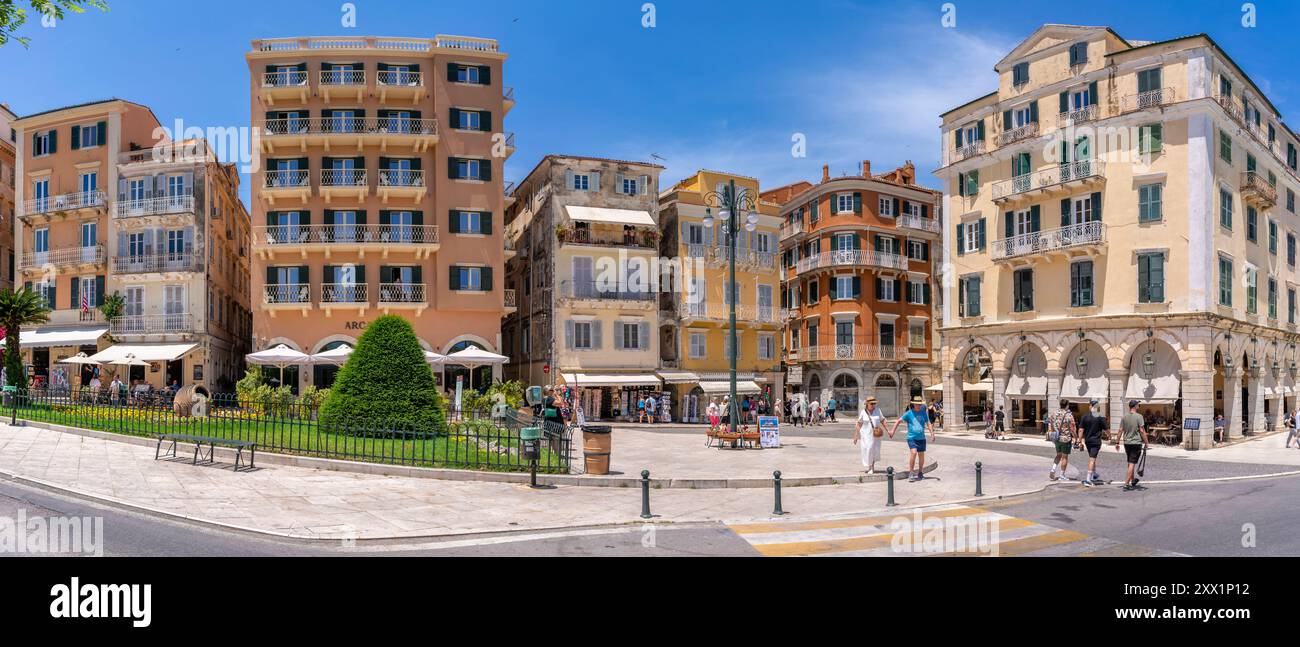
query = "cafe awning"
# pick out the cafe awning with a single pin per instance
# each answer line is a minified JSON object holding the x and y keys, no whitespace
{"x":977,"y":387}
{"x":582,"y":380}
{"x":743,"y":387}
{"x":1094,"y":385}
{"x":59,"y":337}
{"x":1032,"y":387}
{"x":611,"y":216}
{"x":678,"y":377}
{"x":937,"y":387}
{"x":144,"y":352}
{"x":1164,"y":386}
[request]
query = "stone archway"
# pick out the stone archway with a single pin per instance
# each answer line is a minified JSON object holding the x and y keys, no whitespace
{"x":885,"y":391}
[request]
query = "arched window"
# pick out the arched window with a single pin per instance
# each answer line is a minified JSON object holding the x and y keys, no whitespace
{"x":323,"y":376}
{"x":846,"y":381}
{"x":814,"y":384}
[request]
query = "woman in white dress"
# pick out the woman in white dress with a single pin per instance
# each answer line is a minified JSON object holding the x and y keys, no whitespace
{"x":869,"y":433}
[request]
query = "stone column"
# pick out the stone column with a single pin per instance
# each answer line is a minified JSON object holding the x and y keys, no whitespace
{"x":1118,"y":404}
{"x":1231,"y":402}
{"x":1054,"y":377}
{"x":1198,"y":402}
{"x":1255,"y":413}
{"x":950,"y":410}
{"x":999,"y":396}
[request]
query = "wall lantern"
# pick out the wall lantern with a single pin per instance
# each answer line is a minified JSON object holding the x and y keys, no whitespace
{"x":1149,"y":365}
{"x":1022,"y":364}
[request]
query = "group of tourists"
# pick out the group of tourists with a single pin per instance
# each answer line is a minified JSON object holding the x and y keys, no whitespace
{"x":1087,"y":434}
{"x":803,"y":413}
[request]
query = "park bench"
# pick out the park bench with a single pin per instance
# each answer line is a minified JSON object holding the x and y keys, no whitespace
{"x":199,"y":441}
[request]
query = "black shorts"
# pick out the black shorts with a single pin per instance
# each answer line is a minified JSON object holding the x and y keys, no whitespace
{"x":1000,"y":426}
{"x":1134,"y":453}
{"x":1093,"y":450}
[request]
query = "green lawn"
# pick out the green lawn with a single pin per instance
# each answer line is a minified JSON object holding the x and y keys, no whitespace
{"x":462,"y":448}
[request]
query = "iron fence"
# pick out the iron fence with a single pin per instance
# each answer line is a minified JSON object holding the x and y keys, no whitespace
{"x":477,"y":440}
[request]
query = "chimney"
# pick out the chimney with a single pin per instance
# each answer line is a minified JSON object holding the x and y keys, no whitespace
{"x":826,"y":173}
{"x":866,"y":168}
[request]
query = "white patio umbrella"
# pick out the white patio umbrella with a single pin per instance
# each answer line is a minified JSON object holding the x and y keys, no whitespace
{"x":434,"y":358}
{"x":80,"y":359}
{"x":129,"y":360}
{"x":473,"y":358}
{"x":337,"y":357}
{"x":279,"y":357}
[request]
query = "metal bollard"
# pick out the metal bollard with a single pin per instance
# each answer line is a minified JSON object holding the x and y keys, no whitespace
{"x":776,"y":483}
{"x":889,"y":485}
{"x":979,"y":478}
{"x":645,"y":495}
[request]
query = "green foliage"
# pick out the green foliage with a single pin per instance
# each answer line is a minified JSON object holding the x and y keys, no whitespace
{"x":248,"y":384}
{"x":17,"y":310}
{"x":114,"y":306}
{"x":13,"y":16}
{"x":386,"y":383}
{"x":512,"y":391}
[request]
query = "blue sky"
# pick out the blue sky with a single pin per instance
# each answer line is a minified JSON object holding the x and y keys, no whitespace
{"x":720,"y":84}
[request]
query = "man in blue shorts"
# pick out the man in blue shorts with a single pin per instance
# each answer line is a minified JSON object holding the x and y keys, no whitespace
{"x":918,"y":423}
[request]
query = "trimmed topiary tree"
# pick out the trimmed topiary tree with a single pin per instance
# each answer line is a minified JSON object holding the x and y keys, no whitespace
{"x":386,"y":384}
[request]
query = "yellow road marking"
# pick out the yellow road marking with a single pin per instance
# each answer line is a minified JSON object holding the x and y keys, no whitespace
{"x":774,"y":527}
{"x":1016,"y":547}
{"x":823,"y":547}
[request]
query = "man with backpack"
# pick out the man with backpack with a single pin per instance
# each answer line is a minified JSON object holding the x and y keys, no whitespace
{"x":1062,"y":432}
{"x":1134,"y":435}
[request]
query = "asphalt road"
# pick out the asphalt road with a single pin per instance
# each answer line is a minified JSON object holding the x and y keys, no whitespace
{"x":1200,"y":519}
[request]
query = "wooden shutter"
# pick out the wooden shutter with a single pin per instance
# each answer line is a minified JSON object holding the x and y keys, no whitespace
{"x":1010,"y":228}
{"x":101,"y":133}
{"x":961,"y":239}
{"x":981,"y":233}
{"x":453,"y":280}
{"x":1035,"y":221}
{"x":75,"y":299}
{"x":76,"y":138}
{"x":486,"y":273}
{"x":1065,"y":212}
{"x":1096,"y":206}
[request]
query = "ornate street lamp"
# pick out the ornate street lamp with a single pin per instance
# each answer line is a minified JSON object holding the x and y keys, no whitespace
{"x":1081,"y":364}
{"x":1022,"y":363}
{"x":731,"y":206}
{"x":1149,"y":359}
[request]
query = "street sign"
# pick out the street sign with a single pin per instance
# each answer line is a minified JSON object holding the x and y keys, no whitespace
{"x":769,"y":432}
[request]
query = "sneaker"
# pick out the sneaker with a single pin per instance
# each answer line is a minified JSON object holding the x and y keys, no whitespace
{"x":920,"y":476}
{"x":1129,"y":488}
{"x":1088,"y":483}
{"x":1051,"y":476}
{"x":911,"y":478}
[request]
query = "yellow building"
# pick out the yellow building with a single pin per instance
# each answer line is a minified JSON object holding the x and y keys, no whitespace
{"x":1121,"y":226}
{"x":695,"y":327}
{"x":586,"y":235}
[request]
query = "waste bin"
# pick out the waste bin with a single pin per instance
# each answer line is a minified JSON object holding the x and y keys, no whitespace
{"x":597,"y":441}
{"x":9,"y":393}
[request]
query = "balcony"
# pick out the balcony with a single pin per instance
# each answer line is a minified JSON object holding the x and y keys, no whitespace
{"x":344,"y":296}
{"x":401,"y":185}
{"x":508,"y":98}
{"x":849,"y":353}
{"x":349,"y":184}
{"x":599,"y":293}
{"x":509,"y":145}
{"x":1008,"y":137}
{"x":508,"y":189}
{"x":160,"y":264}
{"x":720,"y":313}
{"x":403,"y":296}
{"x":164,"y":324}
{"x":68,"y":204}
{"x":286,"y":296}
{"x":1078,"y":116}
{"x":349,"y":85}
{"x":63,"y":260}
{"x":349,"y":133}
{"x":511,"y":301}
{"x":1157,"y":98}
{"x":396,"y":45}
{"x":852,"y":258}
{"x":1083,"y":238}
{"x":638,"y":238}
{"x":396,"y":85}
{"x":172,"y":205}
{"x":509,"y":247}
{"x":918,"y":223}
{"x":422,"y":240}
{"x":1038,"y":183}
{"x":292,"y":85}
{"x":1256,"y":190}
{"x":286,"y":185}
{"x":968,"y":151}
{"x":791,"y":229}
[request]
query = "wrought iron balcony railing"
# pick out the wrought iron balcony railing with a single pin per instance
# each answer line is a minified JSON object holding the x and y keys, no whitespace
{"x":852,"y":258}
{"x":60,"y":258}
{"x":65,"y":202}
{"x":1020,"y":133}
{"x":287,"y":294}
{"x":1149,"y":99}
{"x":275,"y":235}
{"x":1049,"y":177}
{"x":343,"y":293}
{"x":157,"y":263}
{"x":1040,"y":242}
{"x":173,"y":323}
{"x":397,"y":293}
{"x":600,"y":291}
{"x":169,"y":205}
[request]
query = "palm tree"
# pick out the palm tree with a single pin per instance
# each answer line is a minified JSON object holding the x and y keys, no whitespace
{"x":18,"y":309}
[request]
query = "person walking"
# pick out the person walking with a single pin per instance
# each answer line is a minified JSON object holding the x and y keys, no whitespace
{"x":1134,"y":436}
{"x":651,"y":406}
{"x":830,"y":408}
{"x":1293,"y":428}
{"x":1091,"y":427}
{"x":712,"y":412}
{"x":868,"y":434}
{"x":800,"y":413}
{"x":997,"y":430}
{"x":1061,"y":431}
{"x":640,"y":409}
{"x":918,"y":423}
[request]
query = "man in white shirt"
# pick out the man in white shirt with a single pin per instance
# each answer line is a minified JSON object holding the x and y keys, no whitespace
{"x":867,"y":435}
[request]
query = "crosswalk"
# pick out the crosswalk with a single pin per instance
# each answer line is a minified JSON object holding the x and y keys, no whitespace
{"x":944,"y":531}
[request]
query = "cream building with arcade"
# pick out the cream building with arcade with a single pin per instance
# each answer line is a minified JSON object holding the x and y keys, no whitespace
{"x":1122,"y":226}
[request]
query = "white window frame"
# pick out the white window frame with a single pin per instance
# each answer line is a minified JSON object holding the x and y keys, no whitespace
{"x":90,"y":132}
{"x":918,"y":291}
{"x":579,"y":329}
{"x":635,"y":328}
{"x":840,"y":200}
{"x":470,"y":120}
{"x":766,"y":347}
{"x":914,"y":340}
{"x":914,"y":249}
{"x":41,"y":144}
{"x":475,"y":274}
{"x":886,"y":207}
{"x":697,"y":350}
{"x":842,"y":294}
{"x":1021,"y":117}
{"x":581,"y":182}
{"x":887,"y":291}
{"x":972,"y":241}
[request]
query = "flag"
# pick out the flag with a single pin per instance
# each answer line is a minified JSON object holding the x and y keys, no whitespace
{"x":85,"y":301}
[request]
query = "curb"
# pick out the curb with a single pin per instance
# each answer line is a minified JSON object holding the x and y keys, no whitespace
{"x":517,"y":478}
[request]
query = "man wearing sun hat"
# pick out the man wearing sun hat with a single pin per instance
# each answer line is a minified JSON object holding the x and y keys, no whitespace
{"x":918,"y":423}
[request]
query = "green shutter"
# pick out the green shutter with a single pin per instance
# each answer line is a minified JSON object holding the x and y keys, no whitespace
{"x":76,"y":138}
{"x":485,"y":222}
{"x":101,"y":132}
{"x":1096,"y":206}
{"x":1006,"y":120}
{"x":453,"y":221}
{"x":980,"y":233}
{"x":1065,"y":102}
{"x":1035,"y":218}
{"x":454,"y":278}
{"x":74,"y":298}
{"x":1010,"y":227}
{"x":99,"y":290}
{"x":486,"y":273}
{"x":1065,"y":212}
{"x":961,"y":239}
